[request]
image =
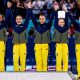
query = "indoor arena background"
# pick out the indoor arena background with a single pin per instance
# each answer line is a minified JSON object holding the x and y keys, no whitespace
{"x":72,"y":6}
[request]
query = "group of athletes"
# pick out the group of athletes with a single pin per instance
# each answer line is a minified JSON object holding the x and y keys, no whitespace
{"x":42,"y":39}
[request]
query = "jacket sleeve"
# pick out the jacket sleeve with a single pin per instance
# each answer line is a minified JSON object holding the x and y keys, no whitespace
{"x":34,"y":20}
{"x":49,"y":24}
{"x":72,"y":19}
{"x":12,"y":19}
{"x":27,"y":19}
{"x":7,"y":16}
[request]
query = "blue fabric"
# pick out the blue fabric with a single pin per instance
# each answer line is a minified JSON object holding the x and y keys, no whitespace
{"x":65,"y":28}
{"x":59,"y":28}
{"x":18,"y":28}
{"x":54,"y":16}
{"x":41,"y":28}
{"x":1,"y":25}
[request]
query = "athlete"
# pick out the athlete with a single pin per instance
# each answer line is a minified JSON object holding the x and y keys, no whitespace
{"x":42,"y":39}
{"x":19,"y":39}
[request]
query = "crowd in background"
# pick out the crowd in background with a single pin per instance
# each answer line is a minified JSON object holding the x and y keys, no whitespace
{"x":20,"y":6}
{"x":72,"y":5}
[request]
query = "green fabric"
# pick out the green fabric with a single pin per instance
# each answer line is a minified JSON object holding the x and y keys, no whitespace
{"x":77,"y":37}
{"x":19,"y":38}
{"x":42,"y":38}
{"x":60,"y":37}
{"x":3,"y":36}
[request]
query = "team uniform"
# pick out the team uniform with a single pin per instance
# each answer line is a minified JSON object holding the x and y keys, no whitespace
{"x":3,"y":38}
{"x":19,"y":36}
{"x":60,"y":36}
{"x":2,"y":46}
{"x":77,"y":41}
{"x":42,"y":38}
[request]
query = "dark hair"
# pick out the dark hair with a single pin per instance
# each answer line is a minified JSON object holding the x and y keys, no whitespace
{"x":2,"y":14}
{"x":42,"y":14}
{"x":55,"y":1}
{"x":27,"y":1}
{"x":19,"y":15}
{"x":10,"y":1}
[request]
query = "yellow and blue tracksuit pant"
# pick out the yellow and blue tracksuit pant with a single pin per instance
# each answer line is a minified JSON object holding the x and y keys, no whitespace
{"x":78,"y":58}
{"x":41,"y":56}
{"x":19,"y":53}
{"x":61,"y":57}
{"x":2,"y":56}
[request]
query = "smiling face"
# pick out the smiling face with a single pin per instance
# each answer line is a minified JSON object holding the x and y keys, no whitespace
{"x":42,"y":19}
{"x":61,"y":22}
{"x":19,"y":20}
{"x":1,"y":18}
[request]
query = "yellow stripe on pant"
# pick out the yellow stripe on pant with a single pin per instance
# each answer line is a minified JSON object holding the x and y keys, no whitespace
{"x":61,"y":57}
{"x":2,"y":56}
{"x":78,"y":58}
{"x":19,"y":52}
{"x":41,"y":56}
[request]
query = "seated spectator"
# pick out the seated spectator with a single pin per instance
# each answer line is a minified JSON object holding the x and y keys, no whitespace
{"x":19,"y":7}
{"x":49,"y":4}
{"x":25,"y":3}
{"x":71,"y":31}
{"x":20,"y":4}
{"x":73,"y":9}
{"x":37,"y":5}
{"x":68,"y":5}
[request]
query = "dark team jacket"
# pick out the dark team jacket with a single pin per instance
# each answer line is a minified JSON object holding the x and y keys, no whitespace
{"x":2,"y":32}
{"x":77,"y":34}
{"x":3,"y":28}
{"x":60,"y":34}
{"x":19,"y":32}
{"x":42,"y":31}
{"x":77,"y":37}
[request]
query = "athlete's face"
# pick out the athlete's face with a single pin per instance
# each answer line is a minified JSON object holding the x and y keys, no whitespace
{"x":42,"y":19}
{"x":61,"y":22}
{"x":1,"y":18}
{"x":19,"y":20}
